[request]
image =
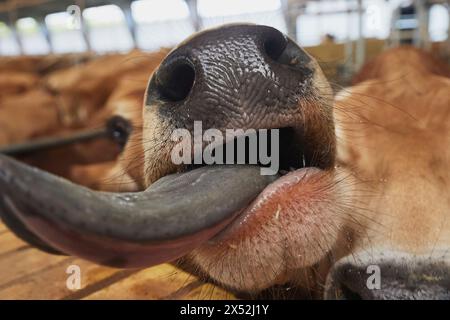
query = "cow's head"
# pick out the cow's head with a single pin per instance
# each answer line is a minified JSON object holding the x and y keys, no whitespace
{"x":393,"y":131}
{"x":245,"y":230}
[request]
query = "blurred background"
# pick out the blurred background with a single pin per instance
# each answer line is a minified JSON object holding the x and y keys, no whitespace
{"x":73,"y":65}
{"x":342,"y":33}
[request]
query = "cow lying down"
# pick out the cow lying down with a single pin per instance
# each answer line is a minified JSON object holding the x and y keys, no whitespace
{"x":359,"y":209}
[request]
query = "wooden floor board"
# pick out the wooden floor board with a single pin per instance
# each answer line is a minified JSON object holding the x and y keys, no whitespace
{"x":51,"y":283}
{"x":153,"y":283}
{"x":208,"y":291}
{"x":161,"y":282}
{"x":26,"y":262}
{"x":9,"y":242}
{"x":27,"y":273}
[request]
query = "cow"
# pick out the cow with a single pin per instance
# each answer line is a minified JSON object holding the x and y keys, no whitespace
{"x":124,"y":107}
{"x":81,"y":91}
{"x":66,"y":98}
{"x":393,"y":127}
{"x":27,"y":115}
{"x":358,"y":210}
{"x":13,"y":83}
{"x":53,"y":99}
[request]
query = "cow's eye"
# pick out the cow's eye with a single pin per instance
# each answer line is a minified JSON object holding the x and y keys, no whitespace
{"x":119,"y":129}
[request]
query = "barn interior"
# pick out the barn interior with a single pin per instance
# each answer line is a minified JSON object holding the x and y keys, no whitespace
{"x":70,"y":69}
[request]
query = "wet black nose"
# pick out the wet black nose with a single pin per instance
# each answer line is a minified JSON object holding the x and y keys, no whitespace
{"x":389,"y":280}
{"x":233,"y":69}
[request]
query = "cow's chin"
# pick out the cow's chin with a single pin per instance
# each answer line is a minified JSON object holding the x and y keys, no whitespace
{"x":291,"y":225}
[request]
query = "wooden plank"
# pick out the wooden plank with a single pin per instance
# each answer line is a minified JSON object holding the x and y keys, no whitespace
{"x":27,"y":273}
{"x":51,"y":282}
{"x":208,"y":291}
{"x":159,"y":282}
{"x":24,"y":263}
{"x":9,"y":242}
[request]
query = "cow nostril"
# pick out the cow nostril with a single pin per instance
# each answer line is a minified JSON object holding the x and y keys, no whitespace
{"x":274,"y":44}
{"x":175,"y":81}
{"x":284,"y":51}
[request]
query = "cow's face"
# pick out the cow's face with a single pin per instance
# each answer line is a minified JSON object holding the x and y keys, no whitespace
{"x":393,"y":130}
{"x":244,"y":230}
{"x":239,"y":77}
{"x":246,"y":76}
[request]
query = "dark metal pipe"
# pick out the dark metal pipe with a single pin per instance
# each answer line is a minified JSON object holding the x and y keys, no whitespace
{"x":53,"y":142}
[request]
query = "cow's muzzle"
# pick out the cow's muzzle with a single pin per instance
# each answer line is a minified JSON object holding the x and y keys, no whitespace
{"x":390,"y":275}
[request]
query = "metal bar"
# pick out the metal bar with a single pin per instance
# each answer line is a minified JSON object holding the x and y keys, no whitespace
{"x":195,"y":17}
{"x":12,"y":16}
{"x":348,"y":48}
{"x":360,"y":53}
{"x":16,"y":36}
{"x":131,"y":24}
{"x":422,"y":14}
{"x":290,"y":15}
{"x":83,"y":25}
{"x":53,"y":142}
{"x":44,"y":29}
